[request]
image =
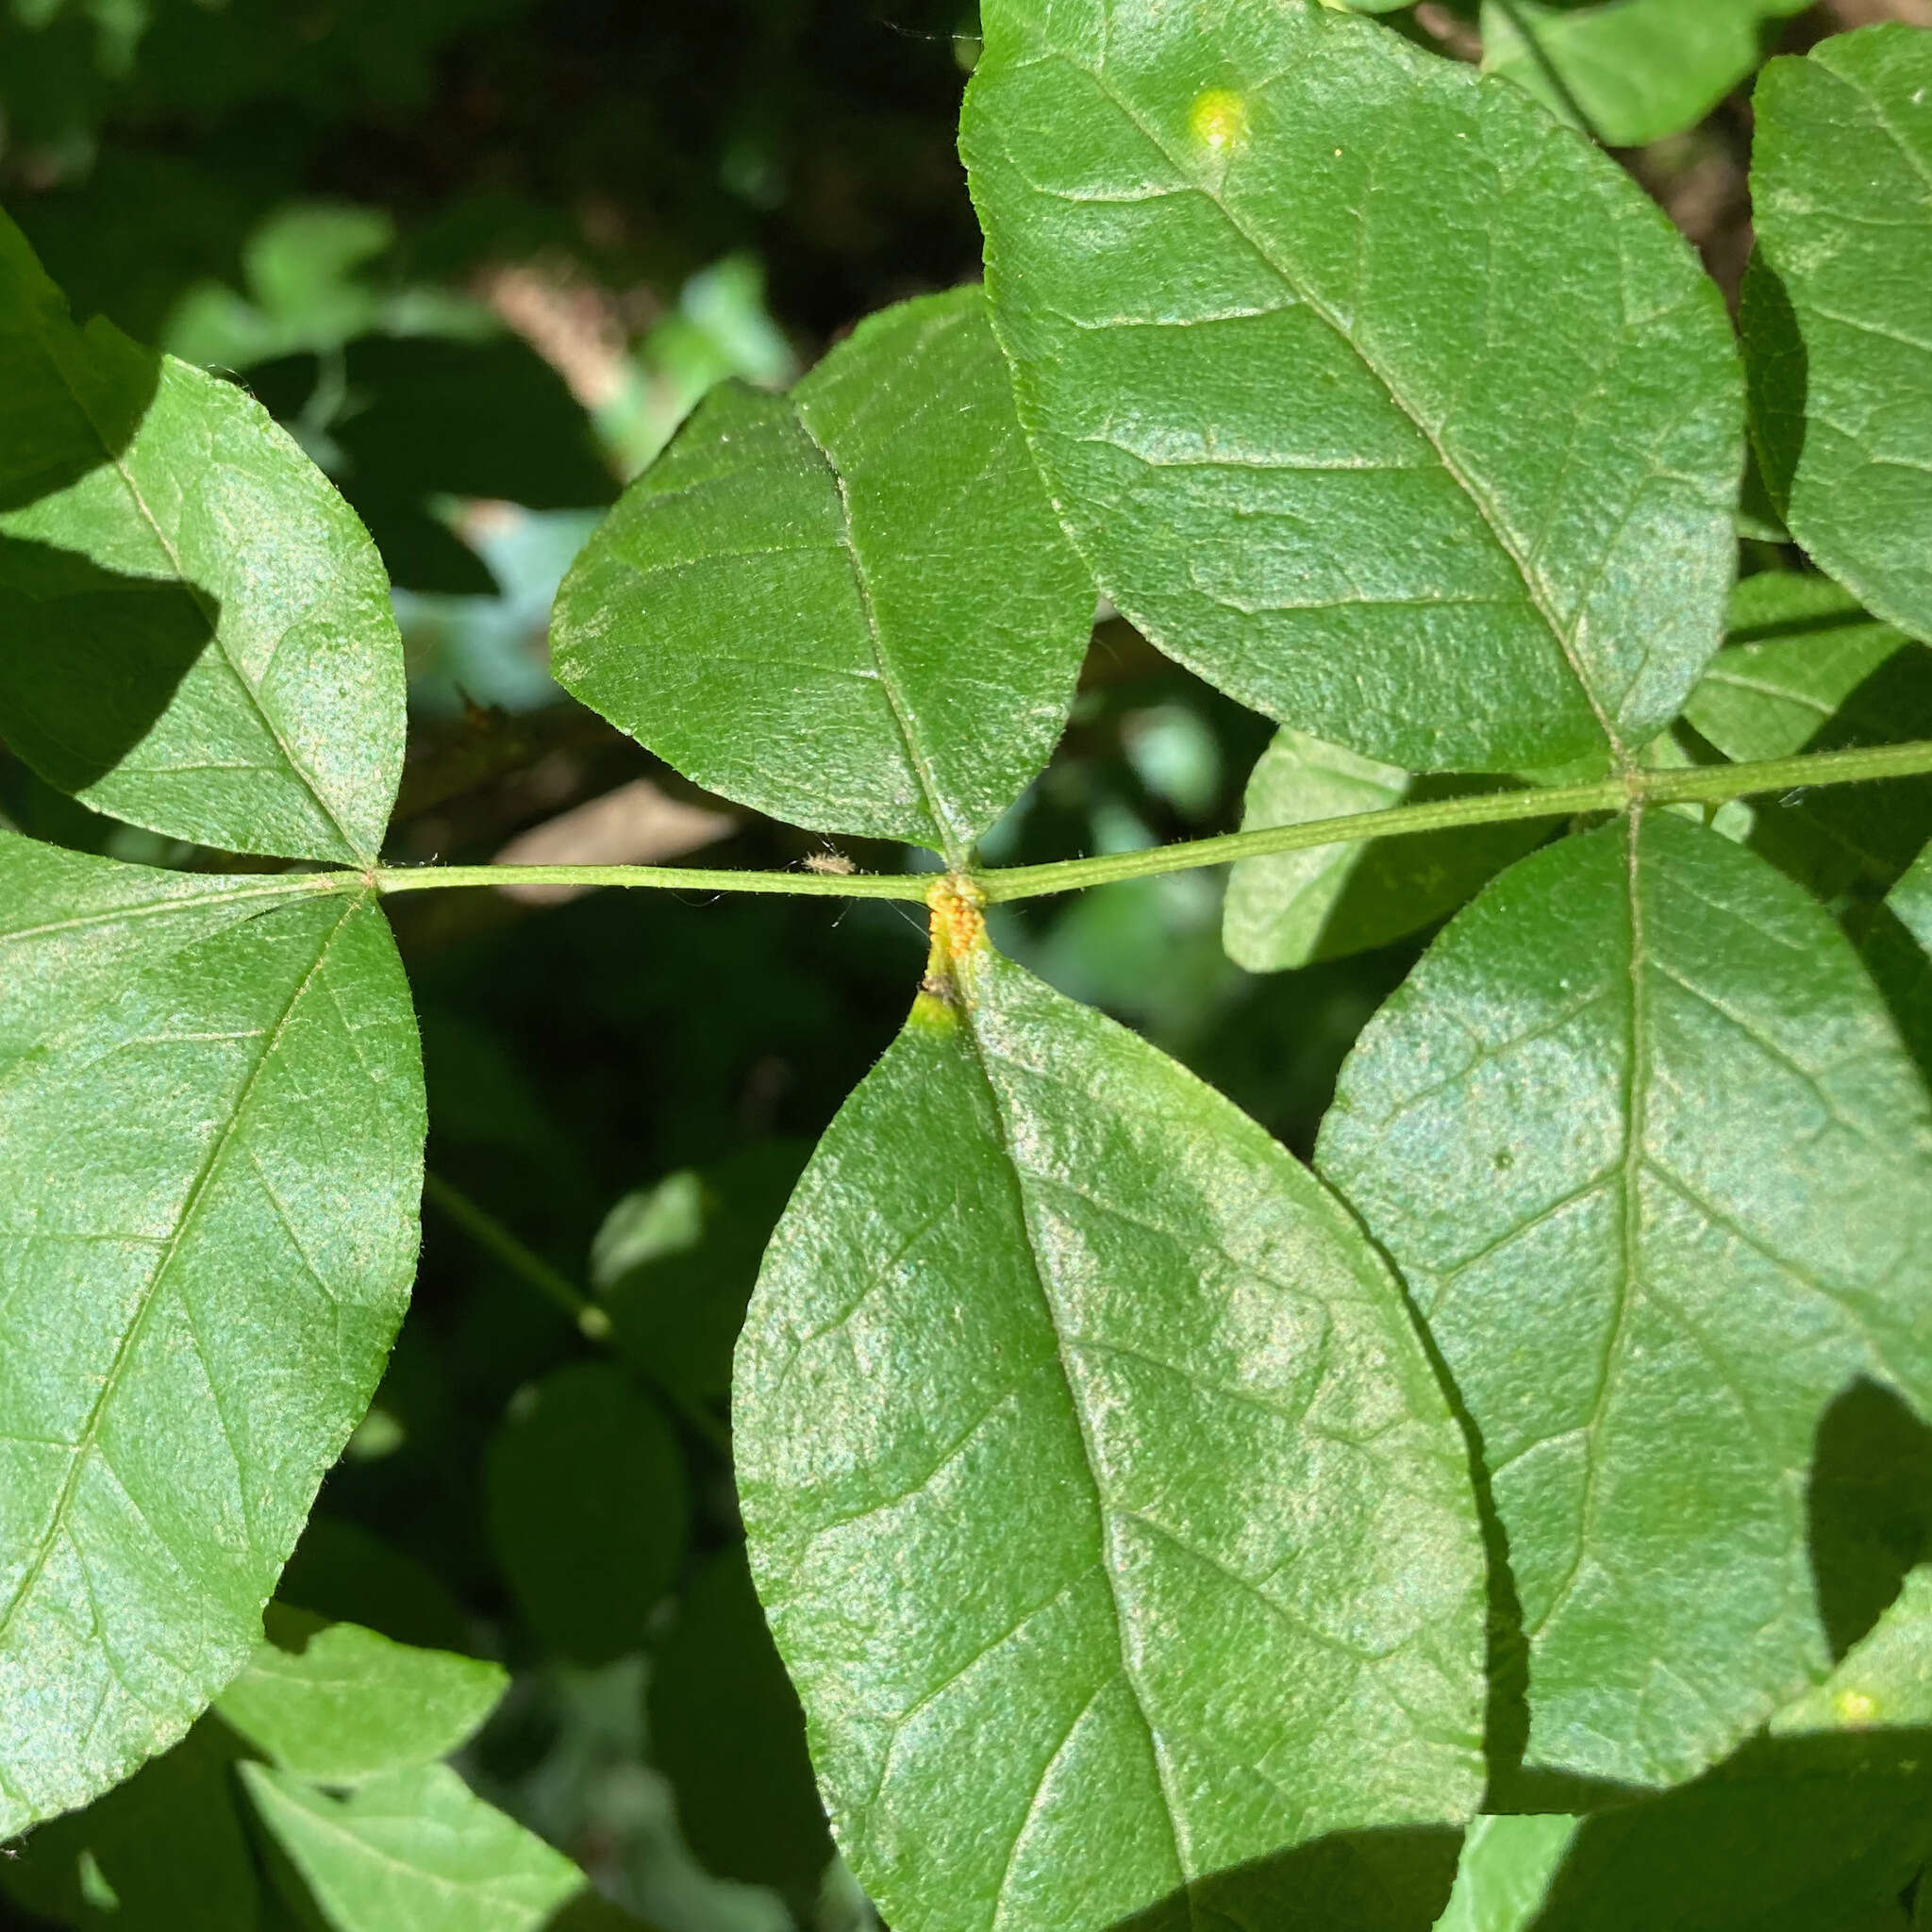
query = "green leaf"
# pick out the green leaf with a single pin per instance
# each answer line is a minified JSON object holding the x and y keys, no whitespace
{"x":850,"y":607}
{"x":1633,"y":71}
{"x":1293,"y":908}
{"x":211,"y":1151}
{"x":1505,"y":1873}
{"x":166,"y":1848}
{"x":1488,"y":522}
{"x":199,"y":631}
{"x":341,"y":1704}
{"x":1835,"y":308}
{"x":1898,"y":951}
{"x":1885,"y":1678}
{"x":585,"y":1492}
{"x":1797,"y":647}
{"x":1640,"y":1138}
{"x":675,"y":1264}
{"x":343,"y":1575}
{"x":727,"y":1732}
{"x":414,"y":1849}
{"x":1107,"y":1514}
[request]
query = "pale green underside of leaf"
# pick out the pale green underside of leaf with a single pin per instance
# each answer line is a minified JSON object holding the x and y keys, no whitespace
{"x":1291,"y":908}
{"x":1370,"y":393}
{"x":210,"y":1152}
{"x":199,"y":631}
{"x":1642,"y":1138}
{"x":850,"y":607}
{"x":340,"y":1704}
{"x":1107,"y":1515}
{"x":1798,"y":648}
{"x":1637,"y":69}
{"x":1835,"y":310}
{"x":413,"y":1850}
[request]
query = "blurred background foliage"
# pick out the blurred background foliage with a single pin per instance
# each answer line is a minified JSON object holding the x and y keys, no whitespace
{"x":481,"y":257}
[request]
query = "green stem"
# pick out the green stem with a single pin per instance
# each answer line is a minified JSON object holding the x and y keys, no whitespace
{"x":496,"y":1240}
{"x":1698,"y":785}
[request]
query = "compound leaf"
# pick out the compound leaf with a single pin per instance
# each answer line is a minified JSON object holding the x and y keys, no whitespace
{"x":1486,"y":521}
{"x":586,"y":1504}
{"x":416,"y":1849}
{"x":1106,"y":1512}
{"x":341,"y":1705}
{"x":199,"y":631}
{"x":1640,"y":1137}
{"x":1834,"y":308}
{"x":210,"y":1149}
{"x":1796,"y":648}
{"x":1633,"y":71}
{"x":850,"y":606}
{"x":1292,"y":907}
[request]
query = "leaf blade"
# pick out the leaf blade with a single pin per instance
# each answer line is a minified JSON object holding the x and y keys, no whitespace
{"x":1294,"y":167}
{"x":1128,"y":1770}
{"x":212,"y":1172}
{"x":1724,"y":1233}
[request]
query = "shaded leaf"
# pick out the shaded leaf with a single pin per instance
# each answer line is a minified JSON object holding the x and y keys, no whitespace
{"x":341,"y":1705}
{"x":1898,"y":950}
{"x":1835,"y":306}
{"x":166,"y":1848}
{"x":1640,"y":1135}
{"x":210,"y":1152}
{"x":1796,"y":648}
{"x":586,"y":1506}
{"x":343,"y":1575}
{"x":727,"y":1732}
{"x":850,"y":606}
{"x":415,"y":1849}
{"x":1108,"y":1517}
{"x":199,"y":632}
{"x":1884,"y":1679}
{"x":1393,"y":550}
{"x":1632,"y":71}
{"x":1294,"y":906}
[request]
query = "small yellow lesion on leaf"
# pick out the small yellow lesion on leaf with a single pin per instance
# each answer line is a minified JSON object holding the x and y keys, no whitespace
{"x":1219,"y":119}
{"x":959,"y":931}
{"x":1856,"y":1707}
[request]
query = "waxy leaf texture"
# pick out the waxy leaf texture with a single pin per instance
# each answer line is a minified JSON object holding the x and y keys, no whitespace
{"x":199,"y":637}
{"x":1642,"y":1138}
{"x":1836,"y":305}
{"x":850,"y":606}
{"x":210,"y":1153}
{"x":1370,"y":393}
{"x":1107,"y":1514}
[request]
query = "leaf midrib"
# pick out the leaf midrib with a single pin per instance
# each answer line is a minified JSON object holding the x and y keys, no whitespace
{"x":1089,"y":1453}
{"x":84,"y":1446}
{"x":1467,"y":484}
{"x":115,"y":459}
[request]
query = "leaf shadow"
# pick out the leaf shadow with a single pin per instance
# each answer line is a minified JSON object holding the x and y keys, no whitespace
{"x":55,"y":435}
{"x":92,"y":660}
{"x":1777,"y":374}
{"x":1392,"y":1880}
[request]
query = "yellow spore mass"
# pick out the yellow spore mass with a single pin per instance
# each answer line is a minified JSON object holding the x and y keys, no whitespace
{"x":1219,"y":119}
{"x":1855,"y":1707}
{"x":958,"y":929}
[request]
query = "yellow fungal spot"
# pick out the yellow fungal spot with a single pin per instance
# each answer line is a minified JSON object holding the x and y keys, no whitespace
{"x":959,"y":931}
{"x":1854,"y":1707}
{"x":1219,"y":119}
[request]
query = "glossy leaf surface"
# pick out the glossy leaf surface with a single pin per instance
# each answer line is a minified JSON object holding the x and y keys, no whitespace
{"x":1071,"y":1412}
{"x":1631,"y":70}
{"x":1834,"y":308}
{"x":340,"y":1704}
{"x":414,"y":1849}
{"x":199,"y":632}
{"x":210,"y":1153}
{"x":1640,"y":1138}
{"x":1487,"y":525}
{"x":1796,"y":648}
{"x":1294,"y":907}
{"x":585,"y":1493}
{"x":851,"y":606}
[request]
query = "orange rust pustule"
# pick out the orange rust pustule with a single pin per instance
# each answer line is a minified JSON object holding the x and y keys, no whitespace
{"x":958,"y":927}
